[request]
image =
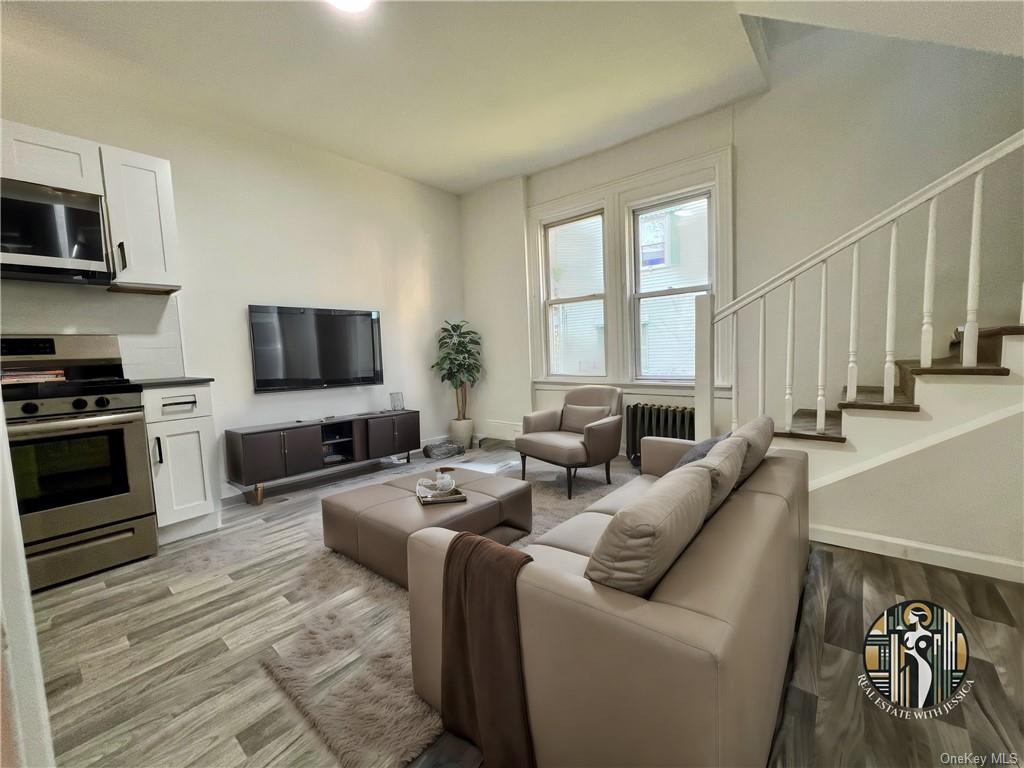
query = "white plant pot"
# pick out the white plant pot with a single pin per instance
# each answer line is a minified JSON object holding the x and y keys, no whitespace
{"x":461,"y":431}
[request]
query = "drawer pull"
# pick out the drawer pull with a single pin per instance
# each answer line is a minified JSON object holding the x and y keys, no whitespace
{"x":190,"y":403}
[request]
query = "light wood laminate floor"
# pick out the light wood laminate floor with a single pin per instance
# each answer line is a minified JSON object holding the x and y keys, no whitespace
{"x":157,"y":663}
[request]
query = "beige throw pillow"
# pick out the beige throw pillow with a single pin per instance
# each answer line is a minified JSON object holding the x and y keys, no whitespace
{"x":759,"y":434}
{"x":723,"y":462}
{"x":576,"y":417}
{"x":645,"y":537}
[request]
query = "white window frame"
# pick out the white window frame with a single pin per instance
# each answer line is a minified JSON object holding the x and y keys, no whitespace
{"x":709,"y":173}
{"x":636,"y":295}
{"x":550,"y":302}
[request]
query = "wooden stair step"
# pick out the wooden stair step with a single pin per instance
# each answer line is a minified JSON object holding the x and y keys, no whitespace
{"x":951,"y":366}
{"x":805,"y":426}
{"x":990,"y":342}
{"x":870,"y":399}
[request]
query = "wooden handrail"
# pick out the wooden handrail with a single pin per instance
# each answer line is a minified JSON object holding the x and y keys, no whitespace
{"x":923,"y":195}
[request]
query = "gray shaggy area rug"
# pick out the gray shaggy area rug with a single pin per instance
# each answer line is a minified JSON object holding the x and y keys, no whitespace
{"x":349,"y":670}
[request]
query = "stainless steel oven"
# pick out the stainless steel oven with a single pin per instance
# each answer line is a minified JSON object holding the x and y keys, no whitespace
{"x":44,"y":228}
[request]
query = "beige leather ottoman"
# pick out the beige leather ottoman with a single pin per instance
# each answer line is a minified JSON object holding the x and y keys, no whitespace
{"x":372,"y":524}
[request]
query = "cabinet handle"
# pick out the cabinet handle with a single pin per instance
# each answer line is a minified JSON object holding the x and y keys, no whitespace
{"x":124,"y":257}
{"x":284,"y":444}
{"x":159,"y":452}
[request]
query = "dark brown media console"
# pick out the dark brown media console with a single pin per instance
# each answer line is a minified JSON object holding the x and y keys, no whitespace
{"x":256,"y":455}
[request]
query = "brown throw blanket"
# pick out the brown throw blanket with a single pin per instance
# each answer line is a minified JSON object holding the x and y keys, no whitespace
{"x":483,"y":697}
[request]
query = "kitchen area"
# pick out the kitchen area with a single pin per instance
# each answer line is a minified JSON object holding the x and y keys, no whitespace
{"x":113,"y":448}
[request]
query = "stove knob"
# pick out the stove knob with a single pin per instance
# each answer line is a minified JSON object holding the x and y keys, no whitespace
{"x":79,"y":403}
{"x":29,"y":408}
{"x":102,"y":402}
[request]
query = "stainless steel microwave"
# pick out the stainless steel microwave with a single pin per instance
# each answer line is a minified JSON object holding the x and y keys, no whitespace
{"x":52,"y":229}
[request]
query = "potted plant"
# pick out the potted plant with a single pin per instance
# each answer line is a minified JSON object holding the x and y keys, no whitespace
{"x":458,"y":362}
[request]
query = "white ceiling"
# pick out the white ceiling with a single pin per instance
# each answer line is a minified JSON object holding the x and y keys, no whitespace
{"x":452,"y":94}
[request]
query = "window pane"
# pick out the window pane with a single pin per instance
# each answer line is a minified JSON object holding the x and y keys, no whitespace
{"x":667,"y":336}
{"x":576,"y":258}
{"x":576,"y":338}
{"x":672,"y":246}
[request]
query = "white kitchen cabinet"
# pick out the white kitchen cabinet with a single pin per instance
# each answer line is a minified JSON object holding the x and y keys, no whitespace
{"x":181,"y":452}
{"x":140,"y":213}
{"x":44,"y":157}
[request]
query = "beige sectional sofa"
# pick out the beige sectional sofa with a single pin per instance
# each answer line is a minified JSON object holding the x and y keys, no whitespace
{"x":692,"y":674}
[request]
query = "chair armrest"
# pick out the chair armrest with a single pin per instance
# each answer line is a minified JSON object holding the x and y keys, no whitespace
{"x":603,"y":439}
{"x":659,"y":455}
{"x":542,"y":421}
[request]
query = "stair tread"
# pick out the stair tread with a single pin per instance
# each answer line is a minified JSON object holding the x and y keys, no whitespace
{"x":805,"y":424}
{"x":953,"y":367}
{"x":871,"y":398}
{"x":995,"y":330}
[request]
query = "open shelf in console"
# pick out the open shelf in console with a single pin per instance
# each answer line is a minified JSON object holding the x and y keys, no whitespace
{"x":338,"y":444}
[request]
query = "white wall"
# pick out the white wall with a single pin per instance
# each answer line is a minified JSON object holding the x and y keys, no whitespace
{"x":493,"y":250}
{"x":852,"y":124}
{"x":262,"y":221}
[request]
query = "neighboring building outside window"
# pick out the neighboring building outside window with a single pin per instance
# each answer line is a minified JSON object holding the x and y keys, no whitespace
{"x":672,"y":265}
{"x":574,"y":254}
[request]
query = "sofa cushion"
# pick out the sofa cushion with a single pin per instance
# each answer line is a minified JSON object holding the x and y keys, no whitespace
{"x":564,"y":448}
{"x":623,"y":495}
{"x":759,"y":433}
{"x":578,"y":534}
{"x":644,"y":538}
{"x":701,"y":449}
{"x":576,"y":417}
{"x":723,"y":462}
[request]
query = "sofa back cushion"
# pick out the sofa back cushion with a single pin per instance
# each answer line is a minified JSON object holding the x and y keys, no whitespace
{"x":759,"y":433}
{"x":576,"y":417}
{"x":723,"y":462}
{"x":645,"y":538}
{"x":701,"y":449}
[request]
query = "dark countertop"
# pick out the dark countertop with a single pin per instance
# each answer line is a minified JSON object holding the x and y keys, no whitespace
{"x":173,"y":381}
{"x":319,"y":422}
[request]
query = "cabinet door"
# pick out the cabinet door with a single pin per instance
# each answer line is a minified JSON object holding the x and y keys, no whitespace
{"x":380,"y":437}
{"x":262,"y":457}
{"x":140,"y":207}
{"x":407,"y":432}
{"x":44,"y":157}
{"x":180,"y":452}
{"x":303,"y":450}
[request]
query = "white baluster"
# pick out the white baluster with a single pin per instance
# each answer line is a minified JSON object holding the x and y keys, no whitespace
{"x":889,"y":377}
{"x":851,"y":368}
{"x":735,"y":370}
{"x":1022,"y":304}
{"x":822,"y":348}
{"x":790,"y":344}
{"x":761,"y":359}
{"x":929,"y":287}
{"x":970,"y":345}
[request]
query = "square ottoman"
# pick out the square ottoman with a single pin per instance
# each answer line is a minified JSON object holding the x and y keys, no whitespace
{"x":371,"y":525}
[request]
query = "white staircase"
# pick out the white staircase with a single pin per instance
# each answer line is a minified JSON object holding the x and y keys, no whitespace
{"x":895,"y":467}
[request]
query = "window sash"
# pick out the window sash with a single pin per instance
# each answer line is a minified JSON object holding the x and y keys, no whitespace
{"x":548,"y":350}
{"x":638,"y":295}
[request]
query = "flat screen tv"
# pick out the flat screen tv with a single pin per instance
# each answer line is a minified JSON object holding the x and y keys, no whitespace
{"x":306,"y":348}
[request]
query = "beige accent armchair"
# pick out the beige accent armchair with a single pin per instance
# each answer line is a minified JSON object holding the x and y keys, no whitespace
{"x":586,"y":432}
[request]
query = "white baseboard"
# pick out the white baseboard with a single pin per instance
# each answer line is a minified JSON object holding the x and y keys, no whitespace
{"x":933,"y":554}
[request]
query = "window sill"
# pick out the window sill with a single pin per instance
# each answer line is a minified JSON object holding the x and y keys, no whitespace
{"x":685,"y":387}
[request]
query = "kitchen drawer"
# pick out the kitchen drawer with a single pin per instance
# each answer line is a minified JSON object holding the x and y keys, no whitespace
{"x":172,"y":403}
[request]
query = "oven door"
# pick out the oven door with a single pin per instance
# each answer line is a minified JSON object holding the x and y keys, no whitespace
{"x":50,"y":228}
{"x":73,"y":474}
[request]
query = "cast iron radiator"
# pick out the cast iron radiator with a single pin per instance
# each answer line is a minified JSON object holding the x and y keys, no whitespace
{"x":645,"y":420}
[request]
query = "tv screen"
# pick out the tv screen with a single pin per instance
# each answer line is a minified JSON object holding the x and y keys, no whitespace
{"x":305,"y":348}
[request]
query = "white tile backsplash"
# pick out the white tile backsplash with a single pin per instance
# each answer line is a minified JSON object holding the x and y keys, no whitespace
{"x":147,"y":326}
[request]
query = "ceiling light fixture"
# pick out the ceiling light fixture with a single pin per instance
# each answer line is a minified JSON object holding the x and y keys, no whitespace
{"x":351,"y":6}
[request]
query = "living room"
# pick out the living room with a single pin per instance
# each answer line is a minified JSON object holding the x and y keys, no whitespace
{"x":795,"y":224}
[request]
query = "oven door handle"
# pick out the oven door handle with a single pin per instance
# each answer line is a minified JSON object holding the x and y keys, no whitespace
{"x":73,"y":425}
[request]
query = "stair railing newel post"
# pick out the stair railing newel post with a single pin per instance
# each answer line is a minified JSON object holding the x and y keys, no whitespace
{"x":790,"y":349}
{"x":927,"y":330}
{"x":822,"y":349}
{"x":704,"y":364}
{"x":889,"y":378}
{"x":761,"y":361}
{"x":735,"y":370}
{"x":970,"y":343}
{"x":851,"y":368}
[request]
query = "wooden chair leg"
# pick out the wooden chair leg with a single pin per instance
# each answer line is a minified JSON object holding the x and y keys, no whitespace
{"x":568,"y":480}
{"x":522,"y":458}
{"x":608,"y":472}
